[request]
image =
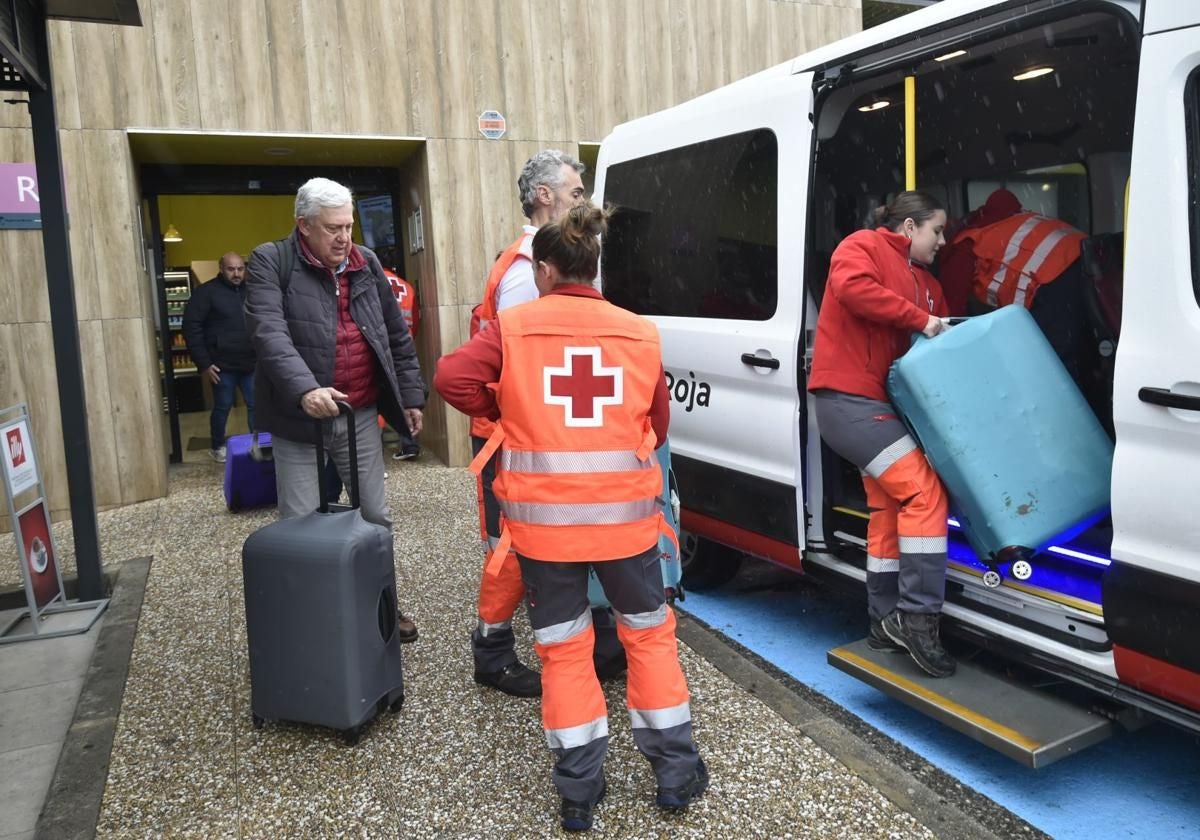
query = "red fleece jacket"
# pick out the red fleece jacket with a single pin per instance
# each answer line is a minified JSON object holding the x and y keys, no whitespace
{"x":462,"y":377}
{"x":874,"y":301}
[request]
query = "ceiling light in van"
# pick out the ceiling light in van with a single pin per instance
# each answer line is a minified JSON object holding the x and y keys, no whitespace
{"x":278,"y":151}
{"x":950,"y":55}
{"x":875,"y":106}
{"x":1032,"y":74}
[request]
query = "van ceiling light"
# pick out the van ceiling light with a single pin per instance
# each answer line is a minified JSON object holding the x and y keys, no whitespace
{"x":875,"y":106}
{"x":1032,"y":74}
{"x":171,"y":235}
{"x":950,"y":55}
{"x":278,"y":151}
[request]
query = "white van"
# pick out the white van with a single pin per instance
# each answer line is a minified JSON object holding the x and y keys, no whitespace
{"x":730,"y":206}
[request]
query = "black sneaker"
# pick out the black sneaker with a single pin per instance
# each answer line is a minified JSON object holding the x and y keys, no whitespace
{"x":514,"y":679}
{"x":880,"y":641}
{"x":918,"y":634}
{"x":678,"y":798}
{"x":577,"y":816}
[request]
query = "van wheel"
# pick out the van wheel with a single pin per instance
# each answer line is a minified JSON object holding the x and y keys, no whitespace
{"x":706,"y":564}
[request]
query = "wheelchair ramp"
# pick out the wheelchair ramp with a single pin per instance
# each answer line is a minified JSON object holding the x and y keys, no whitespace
{"x":1025,"y":724}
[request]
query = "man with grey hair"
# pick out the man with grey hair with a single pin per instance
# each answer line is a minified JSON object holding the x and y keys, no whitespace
{"x":548,"y":186}
{"x":327,"y":329}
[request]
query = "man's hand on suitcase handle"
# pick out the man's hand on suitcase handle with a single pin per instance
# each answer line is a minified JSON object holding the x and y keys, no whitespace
{"x":935,"y":325}
{"x":321,"y":402}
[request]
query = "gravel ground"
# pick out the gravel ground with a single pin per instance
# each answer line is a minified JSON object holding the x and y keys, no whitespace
{"x":459,"y":760}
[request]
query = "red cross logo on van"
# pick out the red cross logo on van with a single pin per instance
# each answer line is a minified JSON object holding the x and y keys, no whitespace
{"x":583,"y":386}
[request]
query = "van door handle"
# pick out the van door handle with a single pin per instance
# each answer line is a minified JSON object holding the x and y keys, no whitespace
{"x":760,"y":361}
{"x":1167,"y":397}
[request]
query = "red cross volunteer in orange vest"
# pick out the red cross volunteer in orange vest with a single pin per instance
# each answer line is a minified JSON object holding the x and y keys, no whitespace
{"x":578,"y":387}
{"x":1017,"y":256}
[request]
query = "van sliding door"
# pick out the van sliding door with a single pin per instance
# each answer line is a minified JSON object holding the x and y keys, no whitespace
{"x":1152,"y":589}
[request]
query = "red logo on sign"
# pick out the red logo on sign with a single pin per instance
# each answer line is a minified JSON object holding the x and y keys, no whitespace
{"x":16,"y":447}
{"x":583,"y":386}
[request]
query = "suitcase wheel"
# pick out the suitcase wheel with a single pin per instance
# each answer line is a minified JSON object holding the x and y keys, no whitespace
{"x":353,"y":735}
{"x":256,"y":721}
{"x":991,"y":579}
{"x":1021,"y":570}
{"x":396,"y":705}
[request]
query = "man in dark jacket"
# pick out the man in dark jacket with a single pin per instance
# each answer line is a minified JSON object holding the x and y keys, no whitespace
{"x":328,"y":332}
{"x":215,"y":330}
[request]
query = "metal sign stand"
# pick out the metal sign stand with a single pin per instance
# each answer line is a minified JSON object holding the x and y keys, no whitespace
{"x":32,"y":521}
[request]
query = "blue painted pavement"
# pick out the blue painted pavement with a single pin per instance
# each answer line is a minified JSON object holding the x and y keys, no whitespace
{"x":1137,"y":784}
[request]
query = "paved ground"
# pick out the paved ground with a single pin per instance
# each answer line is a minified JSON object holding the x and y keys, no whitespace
{"x":458,"y":761}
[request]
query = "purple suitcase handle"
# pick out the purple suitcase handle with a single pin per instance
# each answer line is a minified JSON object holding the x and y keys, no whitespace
{"x":345,"y":409}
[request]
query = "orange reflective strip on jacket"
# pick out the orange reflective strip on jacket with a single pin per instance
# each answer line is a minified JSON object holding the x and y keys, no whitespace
{"x":577,"y":478}
{"x":1016,"y":256}
{"x":486,"y":311}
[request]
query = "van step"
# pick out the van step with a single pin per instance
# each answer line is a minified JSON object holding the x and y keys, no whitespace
{"x":1025,"y":724}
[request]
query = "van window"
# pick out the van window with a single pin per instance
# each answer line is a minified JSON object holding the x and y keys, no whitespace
{"x":694,"y":234}
{"x":1192,"y":98}
{"x":1059,"y":192}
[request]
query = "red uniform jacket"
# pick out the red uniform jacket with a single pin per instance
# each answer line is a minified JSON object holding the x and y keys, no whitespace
{"x":874,"y":301}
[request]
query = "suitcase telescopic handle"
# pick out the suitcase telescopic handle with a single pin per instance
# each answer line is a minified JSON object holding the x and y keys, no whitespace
{"x":352,"y":433}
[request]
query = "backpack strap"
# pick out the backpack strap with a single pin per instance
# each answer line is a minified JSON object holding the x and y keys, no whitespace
{"x":287,"y":262}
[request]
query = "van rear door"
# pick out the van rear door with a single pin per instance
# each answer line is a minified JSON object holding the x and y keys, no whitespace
{"x":1152,"y":589}
{"x":708,"y":243}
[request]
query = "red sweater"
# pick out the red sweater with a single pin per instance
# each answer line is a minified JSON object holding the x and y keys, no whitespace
{"x":874,"y":301}
{"x":462,"y":377}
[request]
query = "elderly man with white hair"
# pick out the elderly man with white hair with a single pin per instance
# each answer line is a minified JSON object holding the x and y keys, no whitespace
{"x":326,"y":328}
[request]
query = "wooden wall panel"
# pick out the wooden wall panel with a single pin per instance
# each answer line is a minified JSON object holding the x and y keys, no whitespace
{"x":548,"y":83}
{"x":215,"y":67}
{"x":79,"y":206}
{"x":487,"y":77}
{"x":424,"y":67}
{"x":287,"y":81}
{"x":361,"y":63}
{"x":578,"y":73}
{"x":391,"y":90}
{"x":252,"y":56}
{"x":322,"y":52}
{"x":95,"y":58}
{"x":114,"y":242}
{"x":514,"y":25}
{"x":62,"y":70}
{"x":102,"y":400}
{"x":175,"y":58}
{"x":136,"y":103}
{"x":134,"y":406}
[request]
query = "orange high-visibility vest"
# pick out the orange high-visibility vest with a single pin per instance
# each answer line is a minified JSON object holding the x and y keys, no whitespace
{"x":1017,"y":256}
{"x":486,"y":311}
{"x":577,"y":477}
{"x":406,"y":299}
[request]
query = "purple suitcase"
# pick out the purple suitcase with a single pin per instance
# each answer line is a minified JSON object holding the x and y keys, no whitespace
{"x":249,"y":475}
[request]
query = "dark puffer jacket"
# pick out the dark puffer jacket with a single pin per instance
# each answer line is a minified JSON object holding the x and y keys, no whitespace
{"x":295,"y":338}
{"x":215,"y":328}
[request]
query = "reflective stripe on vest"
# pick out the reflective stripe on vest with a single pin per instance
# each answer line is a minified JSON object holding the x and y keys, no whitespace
{"x":618,"y":460}
{"x":1018,"y":255}
{"x":579,"y":513}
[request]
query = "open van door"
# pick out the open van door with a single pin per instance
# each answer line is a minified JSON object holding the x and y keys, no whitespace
{"x":708,"y":243}
{"x":1152,"y":588}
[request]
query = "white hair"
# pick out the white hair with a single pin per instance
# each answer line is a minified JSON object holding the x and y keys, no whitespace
{"x":320,"y":192}
{"x":543,"y":168}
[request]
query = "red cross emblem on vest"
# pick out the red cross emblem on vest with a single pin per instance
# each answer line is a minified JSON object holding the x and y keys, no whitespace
{"x":401,"y":292}
{"x":583,"y":386}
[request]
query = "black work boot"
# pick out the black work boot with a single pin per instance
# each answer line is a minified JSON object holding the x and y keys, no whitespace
{"x":678,"y":798}
{"x":880,"y":641}
{"x":577,"y":816}
{"x":918,"y":634}
{"x":514,"y":679}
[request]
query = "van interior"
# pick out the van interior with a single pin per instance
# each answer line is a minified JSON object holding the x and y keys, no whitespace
{"x":1045,"y":109}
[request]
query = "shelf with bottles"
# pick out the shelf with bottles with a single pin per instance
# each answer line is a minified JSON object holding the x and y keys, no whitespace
{"x":178,"y":288}
{"x":181,"y":360}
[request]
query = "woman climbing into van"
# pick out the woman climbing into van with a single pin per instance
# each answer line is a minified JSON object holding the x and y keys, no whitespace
{"x":878,"y":294}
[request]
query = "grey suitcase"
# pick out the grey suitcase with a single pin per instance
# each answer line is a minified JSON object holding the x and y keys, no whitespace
{"x":321,"y":616}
